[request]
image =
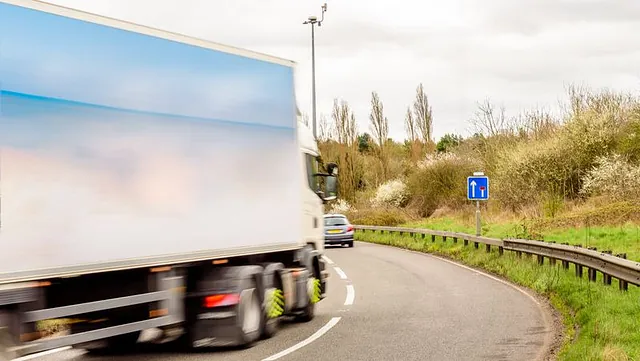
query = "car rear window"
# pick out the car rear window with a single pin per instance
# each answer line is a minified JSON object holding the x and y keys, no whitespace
{"x":335,"y":221}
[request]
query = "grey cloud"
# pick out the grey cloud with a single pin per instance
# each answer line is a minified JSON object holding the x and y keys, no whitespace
{"x":533,"y":16}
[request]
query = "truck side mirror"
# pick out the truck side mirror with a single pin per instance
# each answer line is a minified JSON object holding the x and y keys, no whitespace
{"x":330,"y":188}
{"x":332,"y":169}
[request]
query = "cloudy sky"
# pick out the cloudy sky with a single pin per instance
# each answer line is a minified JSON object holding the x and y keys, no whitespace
{"x":521,"y":54}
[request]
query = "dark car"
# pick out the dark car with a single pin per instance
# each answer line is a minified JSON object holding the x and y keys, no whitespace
{"x":337,"y":230}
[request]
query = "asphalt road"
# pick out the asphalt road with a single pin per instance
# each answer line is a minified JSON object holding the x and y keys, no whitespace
{"x":390,"y":304}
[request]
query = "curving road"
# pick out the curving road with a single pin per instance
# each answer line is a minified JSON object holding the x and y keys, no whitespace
{"x":389,"y":304}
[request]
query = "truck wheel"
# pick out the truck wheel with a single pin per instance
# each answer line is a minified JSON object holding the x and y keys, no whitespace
{"x":273,"y":310}
{"x":249,"y":314}
{"x":351,"y":244}
{"x":313,"y":292}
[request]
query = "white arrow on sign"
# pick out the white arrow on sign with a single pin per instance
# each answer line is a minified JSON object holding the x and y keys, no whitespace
{"x":473,"y":189}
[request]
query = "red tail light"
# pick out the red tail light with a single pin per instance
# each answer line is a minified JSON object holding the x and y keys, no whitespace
{"x":350,"y":228}
{"x":221,"y":300}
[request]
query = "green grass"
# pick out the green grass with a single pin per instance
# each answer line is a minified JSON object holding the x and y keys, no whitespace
{"x":619,"y":239}
{"x":601,"y":322}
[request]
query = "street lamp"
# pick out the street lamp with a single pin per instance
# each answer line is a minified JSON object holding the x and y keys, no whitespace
{"x":313,"y":20}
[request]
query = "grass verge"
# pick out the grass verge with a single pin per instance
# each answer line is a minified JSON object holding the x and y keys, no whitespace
{"x":601,"y":322}
{"x":624,"y":238}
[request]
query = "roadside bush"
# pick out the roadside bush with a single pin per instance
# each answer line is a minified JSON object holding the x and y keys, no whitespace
{"x":613,"y":176}
{"x":439,"y":181}
{"x":378,"y":217}
{"x":341,"y":206}
{"x":554,"y":168}
{"x":393,"y":193}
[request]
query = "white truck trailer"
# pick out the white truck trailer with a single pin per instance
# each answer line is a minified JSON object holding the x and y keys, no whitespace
{"x":149,"y":180}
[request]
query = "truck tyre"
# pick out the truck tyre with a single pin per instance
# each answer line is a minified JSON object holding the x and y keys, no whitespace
{"x":272,"y":313}
{"x":309,"y":312}
{"x":249,"y":314}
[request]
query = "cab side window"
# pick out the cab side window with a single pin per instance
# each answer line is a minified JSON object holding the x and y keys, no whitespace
{"x":312,"y":168}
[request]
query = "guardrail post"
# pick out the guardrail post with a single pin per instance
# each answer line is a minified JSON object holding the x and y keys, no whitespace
{"x":466,"y":241}
{"x":565,"y":264}
{"x":540,"y":260}
{"x":578,"y":270}
{"x":501,"y":250}
{"x":422,"y":235}
{"x":401,"y":233}
{"x":519,"y":254}
{"x":552,"y":261}
{"x":444,"y":239}
{"x":622,"y":284}
{"x":606,"y":279}
{"x":455,"y":239}
{"x":411,"y":234}
{"x":475,"y":245}
{"x":592,"y":273}
{"x":488,"y":247}
{"x":433,"y":238}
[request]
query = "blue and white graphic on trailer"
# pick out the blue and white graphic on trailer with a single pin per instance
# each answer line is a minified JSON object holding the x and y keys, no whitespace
{"x":478,"y":188}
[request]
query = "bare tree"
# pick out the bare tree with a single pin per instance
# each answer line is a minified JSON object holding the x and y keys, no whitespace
{"x":423,"y":116}
{"x":488,"y":120}
{"x":345,"y":122}
{"x":379,"y":123}
{"x":410,"y":125}
{"x":325,"y":131}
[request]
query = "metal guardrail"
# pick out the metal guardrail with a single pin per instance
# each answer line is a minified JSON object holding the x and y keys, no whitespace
{"x":611,"y":266}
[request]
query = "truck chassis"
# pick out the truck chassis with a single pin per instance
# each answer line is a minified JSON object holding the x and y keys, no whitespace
{"x":220,"y":302}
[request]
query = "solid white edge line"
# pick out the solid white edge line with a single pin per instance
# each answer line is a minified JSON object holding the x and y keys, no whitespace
{"x":328,"y":260}
{"x":470,"y":269}
{"x":545,"y":315}
{"x":340,"y":273}
{"x":40,"y":354}
{"x":489,"y":276}
{"x":351,"y":295}
{"x":332,"y":322}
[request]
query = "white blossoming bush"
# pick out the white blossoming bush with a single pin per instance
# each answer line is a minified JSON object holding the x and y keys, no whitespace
{"x":341,"y":206}
{"x":612,"y":176}
{"x":393,"y":193}
{"x":432,"y":160}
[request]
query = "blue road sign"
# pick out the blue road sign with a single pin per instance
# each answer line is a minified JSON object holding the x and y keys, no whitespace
{"x":478,"y":188}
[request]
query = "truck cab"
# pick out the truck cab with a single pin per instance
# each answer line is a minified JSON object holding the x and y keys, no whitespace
{"x":313,"y":204}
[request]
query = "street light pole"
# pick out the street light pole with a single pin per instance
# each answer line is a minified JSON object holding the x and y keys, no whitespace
{"x":313,"y":20}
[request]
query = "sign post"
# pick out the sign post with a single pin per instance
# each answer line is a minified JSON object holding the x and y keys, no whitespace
{"x":478,"y":190}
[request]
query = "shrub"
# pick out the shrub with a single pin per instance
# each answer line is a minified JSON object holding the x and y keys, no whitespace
{"x":613,"y":176}
{"x":554,"y":168}
{"x":341,"y":206}
{"x":438,"y":181}
{"x":378,"y":217}
{"x":391,"y":194}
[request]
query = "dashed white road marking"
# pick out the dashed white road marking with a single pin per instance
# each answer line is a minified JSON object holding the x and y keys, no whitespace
{"x":340,"y":273}
{"x":40,"y":354}
{"x":328,"y":260}
{"x":332,"y":322}
{"x":351,"y":295}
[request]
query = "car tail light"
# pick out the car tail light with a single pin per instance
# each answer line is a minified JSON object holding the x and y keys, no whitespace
{"x":350,"y":228}
{"x":221,"y":300}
